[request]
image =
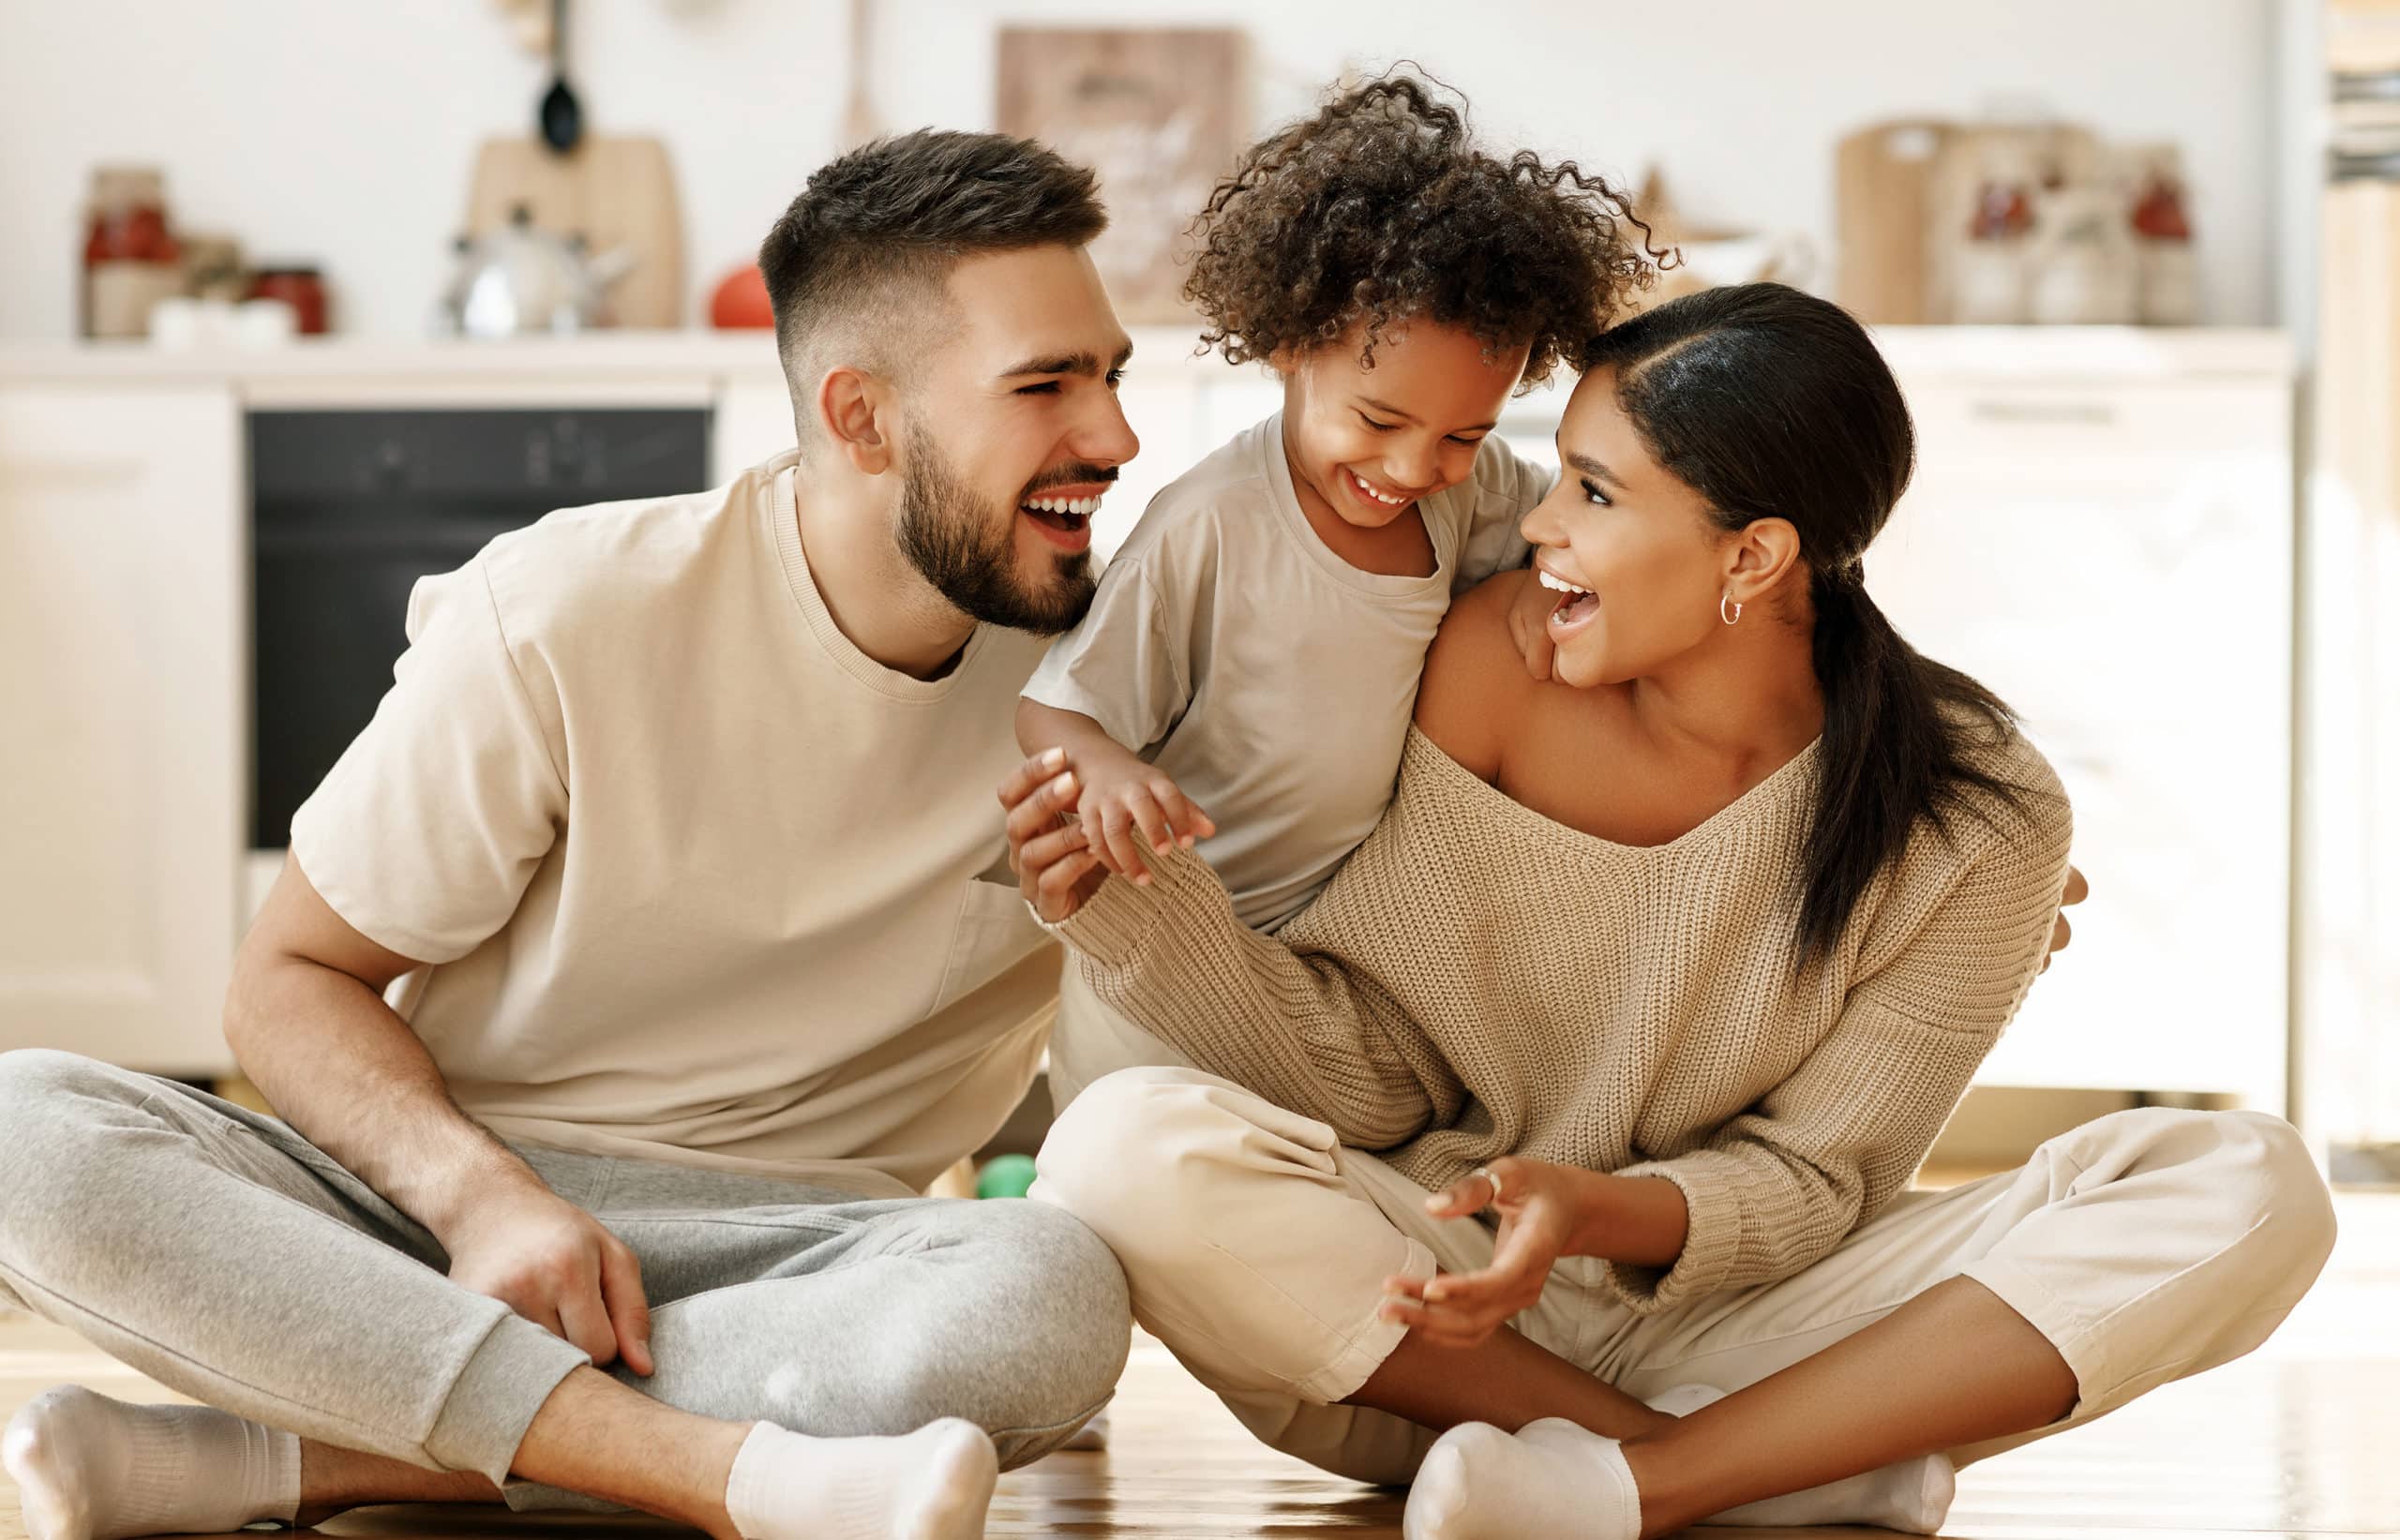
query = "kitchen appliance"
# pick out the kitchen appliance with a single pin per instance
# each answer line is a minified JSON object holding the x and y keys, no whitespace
{"x":519,"y":281}
{"x":351,"y":508}
{"x":617,"y":192}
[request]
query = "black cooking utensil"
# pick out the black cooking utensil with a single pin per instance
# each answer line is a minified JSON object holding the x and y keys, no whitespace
{"x":562,"y":116}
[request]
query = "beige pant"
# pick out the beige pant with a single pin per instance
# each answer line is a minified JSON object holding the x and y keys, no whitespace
{"x":2146,"y":1246}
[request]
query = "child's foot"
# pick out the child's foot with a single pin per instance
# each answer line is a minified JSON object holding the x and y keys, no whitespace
{"x":935,"y":1484}
{"x":90,"y":1468}
{"x":1091,"y":1435}
{"x":1914,"y":1495}
{"x":1555,"y":1479}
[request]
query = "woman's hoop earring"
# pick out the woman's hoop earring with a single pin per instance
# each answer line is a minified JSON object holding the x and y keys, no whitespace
{"x":1726,"y":604}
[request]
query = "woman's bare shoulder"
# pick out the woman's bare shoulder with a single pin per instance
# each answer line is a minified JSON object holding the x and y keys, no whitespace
{"x":1476,"y":684}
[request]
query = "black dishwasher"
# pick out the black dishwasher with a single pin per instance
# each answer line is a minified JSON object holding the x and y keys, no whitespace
{"x":350,"y":508}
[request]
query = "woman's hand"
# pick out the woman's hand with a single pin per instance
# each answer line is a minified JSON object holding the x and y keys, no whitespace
{"x":1051,"y":855}
{"x":1537,"y":1203}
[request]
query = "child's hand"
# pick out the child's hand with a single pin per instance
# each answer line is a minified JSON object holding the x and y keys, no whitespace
{"x":1529,"y":623}
{"x":1129,"y":809}
{"x":1535,"y":1201}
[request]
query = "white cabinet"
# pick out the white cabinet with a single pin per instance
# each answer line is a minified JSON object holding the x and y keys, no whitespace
{"x":121,"y":700}
{"x":2114,"y":558}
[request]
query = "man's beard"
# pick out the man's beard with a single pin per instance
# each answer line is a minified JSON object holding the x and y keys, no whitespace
{"x":969,"y":557}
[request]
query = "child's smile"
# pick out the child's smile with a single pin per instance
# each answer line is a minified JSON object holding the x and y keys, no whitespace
{"x":1379,"y":500}
{"x":1368,"y":440}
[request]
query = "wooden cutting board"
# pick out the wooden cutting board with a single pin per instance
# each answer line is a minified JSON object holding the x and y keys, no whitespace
{"x":1884,"y":180}
{"x":614,"y":192}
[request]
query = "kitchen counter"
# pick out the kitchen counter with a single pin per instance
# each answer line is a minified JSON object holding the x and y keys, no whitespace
{"x":2097,"y":352}
{"x":607,"y":356}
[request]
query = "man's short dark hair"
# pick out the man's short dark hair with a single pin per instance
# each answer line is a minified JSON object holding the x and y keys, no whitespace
{"x":866,"y":246}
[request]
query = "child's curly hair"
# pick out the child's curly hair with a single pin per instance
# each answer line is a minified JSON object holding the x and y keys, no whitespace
{"x":1381,"y":209}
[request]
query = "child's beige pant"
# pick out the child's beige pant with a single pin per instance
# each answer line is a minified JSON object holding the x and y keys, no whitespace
{"x":2146,"y":1246}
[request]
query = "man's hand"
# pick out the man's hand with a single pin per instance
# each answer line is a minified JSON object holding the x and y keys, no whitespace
{"x":557,"y":1267}
{"x":2060,"y":932}
{"x":1051,"y":854}
{"x":1536,"y":1204}
{"x":1129,"y":811}
{"x":1529,"y":624}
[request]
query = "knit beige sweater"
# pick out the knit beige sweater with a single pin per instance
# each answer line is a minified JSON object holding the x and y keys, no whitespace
{"x":1480,"y":980}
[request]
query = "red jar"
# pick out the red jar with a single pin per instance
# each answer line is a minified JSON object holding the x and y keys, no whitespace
{"x":301,"y":288}
{"x":130,"y":260}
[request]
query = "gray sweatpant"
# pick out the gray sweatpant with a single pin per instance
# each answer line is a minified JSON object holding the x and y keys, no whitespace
{"x":221,"y":1254}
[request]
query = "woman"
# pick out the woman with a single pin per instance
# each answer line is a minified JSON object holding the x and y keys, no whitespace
{"x":1677,"y":963}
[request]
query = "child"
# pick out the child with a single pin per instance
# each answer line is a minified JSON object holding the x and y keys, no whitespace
{"x":1245,"y":677}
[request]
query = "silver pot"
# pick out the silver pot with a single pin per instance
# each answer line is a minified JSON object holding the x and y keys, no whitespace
{"x":521,"y":281}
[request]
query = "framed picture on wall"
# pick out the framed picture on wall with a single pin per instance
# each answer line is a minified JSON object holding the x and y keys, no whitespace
{"x":1156,"y":112}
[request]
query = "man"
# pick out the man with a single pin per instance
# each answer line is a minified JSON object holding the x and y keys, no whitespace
{"x":675,"y":835}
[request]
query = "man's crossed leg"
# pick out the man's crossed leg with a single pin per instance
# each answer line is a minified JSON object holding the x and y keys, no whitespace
{"x":823,"y":1363}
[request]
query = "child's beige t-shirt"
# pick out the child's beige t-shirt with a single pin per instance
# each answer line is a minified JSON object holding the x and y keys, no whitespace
{"x":1271,"y":679}
{"x":696,"y":880}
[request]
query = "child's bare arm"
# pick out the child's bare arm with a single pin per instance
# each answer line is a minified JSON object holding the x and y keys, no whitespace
{"x":1040,"y":727}
{"x":1125,"y":804}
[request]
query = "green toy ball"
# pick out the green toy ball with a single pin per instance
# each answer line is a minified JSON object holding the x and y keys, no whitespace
{"x":1005,"y":1176}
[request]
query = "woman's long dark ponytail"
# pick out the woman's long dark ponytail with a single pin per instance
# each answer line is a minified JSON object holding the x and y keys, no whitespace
{"x":1773,"y":404}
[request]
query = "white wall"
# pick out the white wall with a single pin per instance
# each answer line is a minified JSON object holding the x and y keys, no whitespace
{"x":343,"y":130}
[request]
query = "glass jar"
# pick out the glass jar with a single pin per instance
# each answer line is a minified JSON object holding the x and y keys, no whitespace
{"x":301,"y":288}
{"x":131,"y":259}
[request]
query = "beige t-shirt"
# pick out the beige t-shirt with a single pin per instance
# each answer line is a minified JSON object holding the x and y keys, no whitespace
{"x":1271,"y":679}
{"x":698,"y":881}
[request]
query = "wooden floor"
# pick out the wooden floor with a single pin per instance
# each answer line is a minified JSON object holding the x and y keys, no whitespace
{"x":2301,"y":1438}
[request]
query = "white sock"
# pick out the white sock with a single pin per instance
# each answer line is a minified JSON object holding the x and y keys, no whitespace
{"x":91,"y":1468}
{"x":936,"y":1484}
{"x":1555,"y":1479}
{"x":1914,"y":1495}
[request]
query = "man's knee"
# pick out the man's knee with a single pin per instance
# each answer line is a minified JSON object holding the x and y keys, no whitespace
{"x":1060,"y":1288}
{"x":33,"y":1079}
{"x":1026,"y":1341}
{"x":55,"y":1107}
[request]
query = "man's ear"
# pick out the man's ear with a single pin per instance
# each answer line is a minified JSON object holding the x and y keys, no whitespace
{"x":852,"y":409}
